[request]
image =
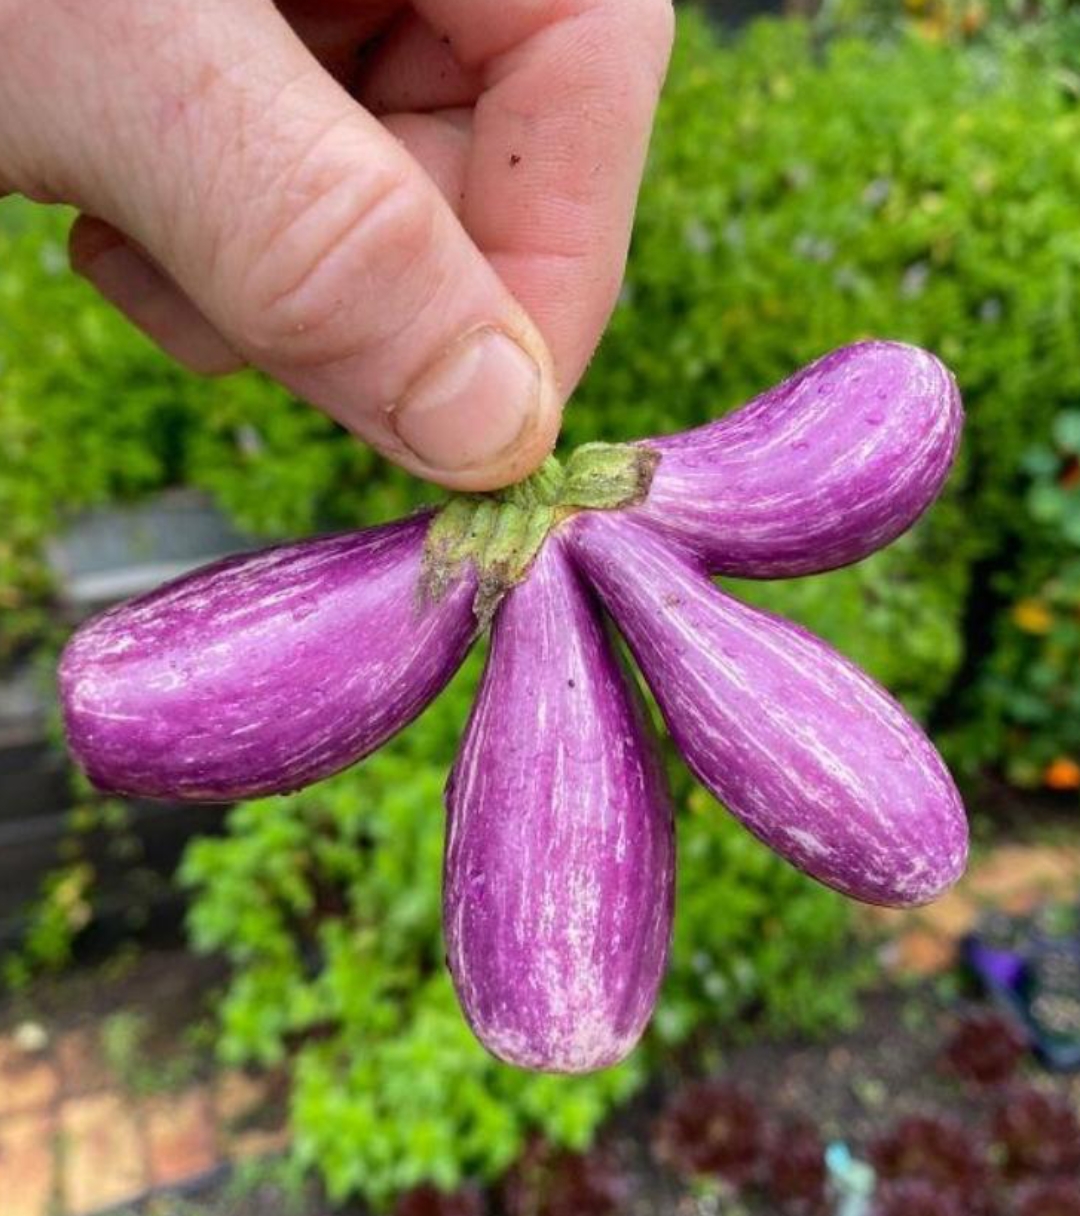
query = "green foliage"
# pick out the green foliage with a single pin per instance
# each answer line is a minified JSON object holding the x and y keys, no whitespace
{"x":59,"y":914}
{"x":753,"y":937}
{"x":69,"y":894}
{"x":1024,"y":712}
{"x":328,"y":906}
{"x":132,"y":1057}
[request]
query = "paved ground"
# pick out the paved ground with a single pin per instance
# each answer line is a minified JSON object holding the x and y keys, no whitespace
{"x":74,"y":1141}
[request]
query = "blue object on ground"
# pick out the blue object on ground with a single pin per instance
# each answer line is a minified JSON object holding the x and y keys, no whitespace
{"x":851,"y":1181}
{"x":1030,"y":966}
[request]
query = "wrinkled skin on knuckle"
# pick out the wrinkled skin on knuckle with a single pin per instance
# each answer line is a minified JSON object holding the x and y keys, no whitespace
{"x":87,"y":91}
{"x":352,"y":264}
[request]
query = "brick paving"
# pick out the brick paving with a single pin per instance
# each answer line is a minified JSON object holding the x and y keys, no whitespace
{"x":73,"y":1141}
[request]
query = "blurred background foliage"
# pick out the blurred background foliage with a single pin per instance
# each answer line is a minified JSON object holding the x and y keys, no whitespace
{"x":903,"y":171}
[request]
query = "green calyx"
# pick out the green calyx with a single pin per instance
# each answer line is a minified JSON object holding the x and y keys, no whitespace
{"x":501,"y":533}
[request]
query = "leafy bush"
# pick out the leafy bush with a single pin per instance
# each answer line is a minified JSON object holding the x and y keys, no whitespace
{"x":802,"y":195}
{"x":1024,"y":711}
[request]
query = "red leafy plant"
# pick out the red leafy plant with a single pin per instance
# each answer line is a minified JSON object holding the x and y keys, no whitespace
{"x":711,"y":1129}
{"x":939,"y":1151}
{"x":1036,"y":1134}
{"x":546,"y":1181}
{"x":986,"y":1049}
{"x":916,"y":1197}
{"x":430,"y":1201}
{"x":1048,"y":1197}
{"x":794,"y":1176}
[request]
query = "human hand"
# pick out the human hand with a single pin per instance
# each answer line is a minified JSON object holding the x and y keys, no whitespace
{"x":415,"y":216}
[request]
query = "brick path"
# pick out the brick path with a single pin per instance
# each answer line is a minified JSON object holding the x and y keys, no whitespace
{"x":73,"y":1141}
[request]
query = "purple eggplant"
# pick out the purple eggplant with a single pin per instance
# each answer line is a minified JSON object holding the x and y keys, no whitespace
{"x":818,"y":472}
{"x":815,"y":758}
{"x":263,"y":673}
{"x":559,"y":872}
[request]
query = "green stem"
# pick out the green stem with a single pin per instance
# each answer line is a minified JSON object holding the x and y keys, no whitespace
{"x":501,"y":533}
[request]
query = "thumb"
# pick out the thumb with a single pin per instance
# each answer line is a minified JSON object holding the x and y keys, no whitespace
{"x":306,"y":236}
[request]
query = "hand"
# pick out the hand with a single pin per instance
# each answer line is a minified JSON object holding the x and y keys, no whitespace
{"x":415,"y":216}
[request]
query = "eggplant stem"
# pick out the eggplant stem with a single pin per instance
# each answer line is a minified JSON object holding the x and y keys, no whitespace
{"x":500,"y":534}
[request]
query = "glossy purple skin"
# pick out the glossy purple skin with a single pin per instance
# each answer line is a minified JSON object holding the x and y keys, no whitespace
{"x":263,"y":673}
{"x":818,"y":472}
{"x":817,"y":760}
{"x":559,"y":871}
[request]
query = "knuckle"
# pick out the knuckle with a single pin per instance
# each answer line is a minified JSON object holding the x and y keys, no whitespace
{"x":325,"y":282}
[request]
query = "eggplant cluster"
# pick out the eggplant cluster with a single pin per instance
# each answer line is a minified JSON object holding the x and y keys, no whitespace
{"x":266,"y":672}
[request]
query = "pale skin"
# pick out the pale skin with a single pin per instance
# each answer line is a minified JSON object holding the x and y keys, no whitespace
{"x":413,"y":215}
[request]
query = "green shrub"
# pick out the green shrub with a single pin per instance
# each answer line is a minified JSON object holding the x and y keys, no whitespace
{"x":327,"y":905}
{"x":1023,"y":712}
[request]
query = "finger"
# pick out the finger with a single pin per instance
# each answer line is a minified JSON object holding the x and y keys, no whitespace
{"x":298,"y":226}
{"x":334,"y":30}
{"x":134,"y":285}
{"x":414,"y":69}
{"x":440,"y":143}
{"x":560,"y":138}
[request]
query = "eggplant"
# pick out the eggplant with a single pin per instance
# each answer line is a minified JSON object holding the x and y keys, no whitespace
{"x":560,"y":860}
{"x":263,"y":673}
{"x":817,"y":760}
{"x":817,"y":473}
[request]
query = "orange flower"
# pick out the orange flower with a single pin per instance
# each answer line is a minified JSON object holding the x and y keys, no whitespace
{"x":973,"y":19}
{"x":1032,"y":616}
{"x":1062,"y":774}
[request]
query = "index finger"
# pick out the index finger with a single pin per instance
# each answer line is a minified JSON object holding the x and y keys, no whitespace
{"x":561,"y":132}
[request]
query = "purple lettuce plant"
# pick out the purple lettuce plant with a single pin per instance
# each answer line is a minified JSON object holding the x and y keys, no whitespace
{"x":794,"y":1172}
{"x":264,"y":673}
{"x":428,"y":1200}
{"x":986,"y":1048}
{"x":938,"y":1151}
{"x":1048,"y":1197}
{"x":546,"y":1181}
{"x":711,"y":1129}
{"x":1036,"y":1133}
{"x":917,"y":1197}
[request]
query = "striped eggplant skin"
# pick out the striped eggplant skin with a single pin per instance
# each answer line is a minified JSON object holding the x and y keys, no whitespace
{"x":263,"y":673}
{"x":560,"y":860}
{"x":817,"y":473}
{"x":817,"y":760}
